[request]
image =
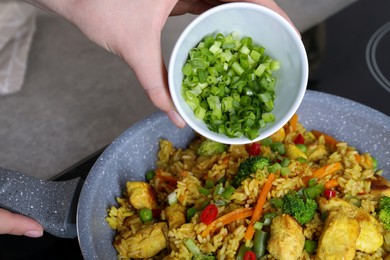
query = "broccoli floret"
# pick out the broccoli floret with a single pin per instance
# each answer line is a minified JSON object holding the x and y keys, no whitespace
{"x":209,"y":148}
{"x":299,"y":207}
{"x":250,"y":165}
{"x":384,"y":212}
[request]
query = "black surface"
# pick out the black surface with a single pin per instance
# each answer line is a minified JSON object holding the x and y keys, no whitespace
{"x":337,"y":60}
{"x":342,"y":70}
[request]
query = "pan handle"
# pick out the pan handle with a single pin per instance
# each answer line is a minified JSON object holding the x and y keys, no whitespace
{"x":53,"y":204}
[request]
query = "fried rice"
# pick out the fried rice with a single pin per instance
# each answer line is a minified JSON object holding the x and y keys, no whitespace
{"x":185,"y":180}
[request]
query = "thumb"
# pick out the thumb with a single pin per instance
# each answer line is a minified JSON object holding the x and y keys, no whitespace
{"x":15,"y":224}
{"x":151,"y":72}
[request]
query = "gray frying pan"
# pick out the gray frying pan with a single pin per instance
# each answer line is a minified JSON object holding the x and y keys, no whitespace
{"x":71,"y":208}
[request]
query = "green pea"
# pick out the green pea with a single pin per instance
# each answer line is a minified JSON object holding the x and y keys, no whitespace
{"x":145,"y":215}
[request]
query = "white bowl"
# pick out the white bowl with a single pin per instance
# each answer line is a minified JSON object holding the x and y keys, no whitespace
{"x":266,"y":28}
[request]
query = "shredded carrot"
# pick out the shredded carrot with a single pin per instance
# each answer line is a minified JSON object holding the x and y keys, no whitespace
{"x":329,"y":140}
{"x":323,"y":171}
{"x":358,"y":158}
{"x":331,"y":184}
{"x":228,"y":218}
{"x":250,"y":230}
{"x":294,"y":122}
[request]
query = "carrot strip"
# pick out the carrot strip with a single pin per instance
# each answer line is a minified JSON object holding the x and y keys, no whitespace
{"x":294,"y":122}
{"x":331,"y":184}
{"x":329,"y":140}
{"x":228,"y":218}
{"x":323,"y":171}
{"x":250,"y":230}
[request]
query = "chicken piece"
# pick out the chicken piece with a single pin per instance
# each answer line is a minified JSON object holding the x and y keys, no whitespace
{"x":317,"y":153}
{"x":286,"y":239}
{"x":279,"y":135}
{"x":370,"y":237}
{"x":293,"y":152}
{"x":176,"y":215}
{"x":148,"y":241}
{"x":141,"y":195}
{"x":339,"y":235}
{"x":380,"y":186}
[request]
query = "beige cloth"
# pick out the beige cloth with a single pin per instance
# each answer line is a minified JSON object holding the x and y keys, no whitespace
{"x":17,"y":27}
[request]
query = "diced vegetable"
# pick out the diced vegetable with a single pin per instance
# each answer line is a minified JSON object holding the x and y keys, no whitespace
{"x":209,"y":214}
{"x":259,"y":207}
{"x":234,"y":215}
{"x":260,"y":243}
{"x":229,"y":84}
{"x":145,"y":215}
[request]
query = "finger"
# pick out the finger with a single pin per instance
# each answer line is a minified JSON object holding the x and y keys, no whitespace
{"x":15,"y":224}
{"x":271,"y":5}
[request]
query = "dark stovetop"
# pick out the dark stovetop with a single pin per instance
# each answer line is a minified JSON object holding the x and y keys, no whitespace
{"x":337,"y":52}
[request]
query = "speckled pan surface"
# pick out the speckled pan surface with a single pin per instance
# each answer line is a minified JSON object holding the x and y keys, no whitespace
{"x":134,"y":152}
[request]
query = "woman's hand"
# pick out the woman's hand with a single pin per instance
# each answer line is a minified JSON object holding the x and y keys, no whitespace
{"x":132,"y":29}
{"x":14,"y":224}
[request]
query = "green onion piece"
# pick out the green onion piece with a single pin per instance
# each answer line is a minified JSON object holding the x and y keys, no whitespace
{"x":312,"y":182}
{"x":278,"y":147}
{"x":209,"y":184}
{"x":190,"y":213}
{"x":149,"y":175}
{"x":285,"y":171}
{"x":302,"y":147}
{"x":229,"y":84}
{"x":268,"y":217}
{"x":172,"y":198}
{"x":285,"y":162}
{"x":274,"y":168}
{"x":191,"y":246}
{"x":204,"y":191}
{"x":227,"y":193}
{"x":313,"y":191}
{"x":258,"y":225}
{"x":266,"y":141}
{"x":310,"y":246}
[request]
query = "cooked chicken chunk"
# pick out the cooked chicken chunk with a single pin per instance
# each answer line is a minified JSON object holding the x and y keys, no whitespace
{"x":141,"y":195}
{"x":287,"y":239}
{"x":316,"y":152}
{"x":176,"y":215}
{"x":148,"y":241}
{"x":370,"y":236}
{"x":380,"y":186}
{"x":339,"y":235}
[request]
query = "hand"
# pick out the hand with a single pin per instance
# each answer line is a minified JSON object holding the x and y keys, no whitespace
{"x":14,"y":224}
{"x":131,"y":29}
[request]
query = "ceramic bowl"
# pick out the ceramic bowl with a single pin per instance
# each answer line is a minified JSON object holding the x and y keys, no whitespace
{"x":266,"y":28}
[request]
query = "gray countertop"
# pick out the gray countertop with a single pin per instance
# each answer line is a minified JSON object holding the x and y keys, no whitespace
{"x":77,"y":97}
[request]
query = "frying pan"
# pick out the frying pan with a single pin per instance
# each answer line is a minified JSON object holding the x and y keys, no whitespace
{"x":72,"y":208}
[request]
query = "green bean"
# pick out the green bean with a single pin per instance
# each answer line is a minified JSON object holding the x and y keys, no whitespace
{"x":241,"y":251}
{"x":260,"y":243}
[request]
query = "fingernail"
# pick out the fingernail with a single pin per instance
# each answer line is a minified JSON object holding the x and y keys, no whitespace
{"x":176,"y":118}
{"x":33,"y":233}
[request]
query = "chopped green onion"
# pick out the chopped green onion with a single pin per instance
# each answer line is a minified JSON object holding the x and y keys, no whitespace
{"x":149,"y":175}
{"x":172,"y":198}
{"x":190,"y":213}
{"x":258,"y":225}
{"x":227,"y":193}
{"x":228,"y":83}
{"x":310,"y":246}
{"x":204,"y":191}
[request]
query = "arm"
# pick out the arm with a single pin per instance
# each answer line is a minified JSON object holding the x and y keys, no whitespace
{"x":131,"y":29}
